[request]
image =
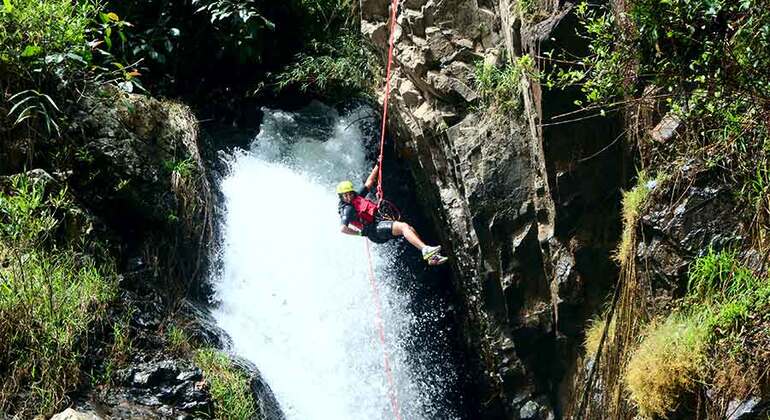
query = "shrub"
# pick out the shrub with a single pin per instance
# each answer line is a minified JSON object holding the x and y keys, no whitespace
{"x":671,"y":357}
{"x":229,"y":386}
{"x":337,"y":62}
{"x":500,"y":87}
{"x":239,"y":24}
{"x":669,"y":361}
{"x":49,"y":297}
{"x":335,"y":68}
{"x":31,"y":30}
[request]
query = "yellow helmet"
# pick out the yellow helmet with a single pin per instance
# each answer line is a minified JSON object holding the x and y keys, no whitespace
{"x":344,"y":186}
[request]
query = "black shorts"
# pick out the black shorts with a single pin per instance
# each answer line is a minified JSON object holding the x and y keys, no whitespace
{"x":380,"y":232}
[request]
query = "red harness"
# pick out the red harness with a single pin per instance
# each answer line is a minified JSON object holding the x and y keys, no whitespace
{"x":365,"y":211}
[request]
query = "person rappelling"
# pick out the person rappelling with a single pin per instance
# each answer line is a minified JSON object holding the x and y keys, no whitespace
{"x":361,"y":217}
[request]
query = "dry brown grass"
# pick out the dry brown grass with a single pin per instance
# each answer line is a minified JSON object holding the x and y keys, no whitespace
{"x":594,"y":334}
{"x":744,"y":367}
{"x":669,"y":361}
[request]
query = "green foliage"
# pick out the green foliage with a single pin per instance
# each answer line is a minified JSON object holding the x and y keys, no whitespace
{"x":633,"y":203}
{"x":177,"y":339}
{"x":526,"y":9}
{"x":41,"y":44}
{"x":122,"y":344}
{"x":337,"y":62}
{"x":35,"y":31}
{"x":722,"y":294}
{"x":30,"y":104}
{"x":603,"y":74}
{"x":49,"y":296}
{"x":706,"y":62}
{"x":182,"y":167}
{"x":721,"y":287}
{"x":337,"y":68}
{"x":229,"y":387}
{"x":240,"y":24}
{"x":500,"y":88}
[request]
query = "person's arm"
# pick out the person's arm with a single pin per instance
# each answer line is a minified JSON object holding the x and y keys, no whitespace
{"x":347,"y":214}
{"x":372,"y":178}
{"x":350,"y":231}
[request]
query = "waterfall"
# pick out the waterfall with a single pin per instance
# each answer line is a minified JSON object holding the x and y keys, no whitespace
{"x":293,"y":291}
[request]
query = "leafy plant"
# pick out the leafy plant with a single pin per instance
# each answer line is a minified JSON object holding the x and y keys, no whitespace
{"x":229,"y":387}
{"x":241,"y":23}
{"x":178,"y":341}
{"x":500,"y":87}
{"x":30,"y":104}
{"x":181,"y":168}
{"x":49,"y":297}
{"x":338,"y":68}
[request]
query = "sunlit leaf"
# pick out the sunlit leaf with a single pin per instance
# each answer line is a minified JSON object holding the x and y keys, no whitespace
{"x":31,"y":51}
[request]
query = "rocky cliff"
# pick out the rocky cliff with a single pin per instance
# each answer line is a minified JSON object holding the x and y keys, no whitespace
{"x":528,"y":210}
{"x":549,"y":252}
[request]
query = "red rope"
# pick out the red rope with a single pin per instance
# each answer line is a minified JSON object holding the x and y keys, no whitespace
{"x":393,"y":12}
{"x":380,"y":326}
{"x":380,"y":194}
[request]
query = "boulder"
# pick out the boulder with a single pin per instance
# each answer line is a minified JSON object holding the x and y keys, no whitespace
{"x":71,"y":414}
{"x":745,"y":409}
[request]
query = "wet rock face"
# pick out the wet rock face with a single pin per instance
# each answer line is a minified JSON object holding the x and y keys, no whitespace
{"x":505,"y":193}
{"x":158,"y":383}
{"x":487,"y":176}
{"x":682,"y":223}
{"x":168,"y":387}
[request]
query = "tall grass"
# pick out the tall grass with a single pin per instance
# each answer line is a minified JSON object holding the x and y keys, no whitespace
{"x":627,"y":315}
{"x":669,"y":361}
{"x":50,"y":294}
{"x":671,"y":358}
{"x":229,"y":387}
{"x":177,"y":339}
{"x":594,"y":333}
{"x":633,"y":202}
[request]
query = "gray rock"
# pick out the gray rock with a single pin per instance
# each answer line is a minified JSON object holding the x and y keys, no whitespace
{"x":190,"y":375}
{"x":439,"y":44}
{"x":463,"y":90}
{"x":409,"y":93}
{"x":530,"y":410}
{"x":71,"y":414}
{"x":744,"y":410}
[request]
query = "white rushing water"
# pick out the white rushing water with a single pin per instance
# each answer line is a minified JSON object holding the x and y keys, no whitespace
{"x":293,"y":291}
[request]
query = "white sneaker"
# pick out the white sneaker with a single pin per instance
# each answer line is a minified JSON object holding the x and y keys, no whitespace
{"x":437,"y":260}
{"x":429,"y":251}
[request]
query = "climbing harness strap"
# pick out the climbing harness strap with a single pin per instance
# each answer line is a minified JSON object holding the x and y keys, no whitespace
{"x":380,"y":196}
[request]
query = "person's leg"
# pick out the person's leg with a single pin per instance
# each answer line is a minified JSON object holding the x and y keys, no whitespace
{"x":408,"y":232}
